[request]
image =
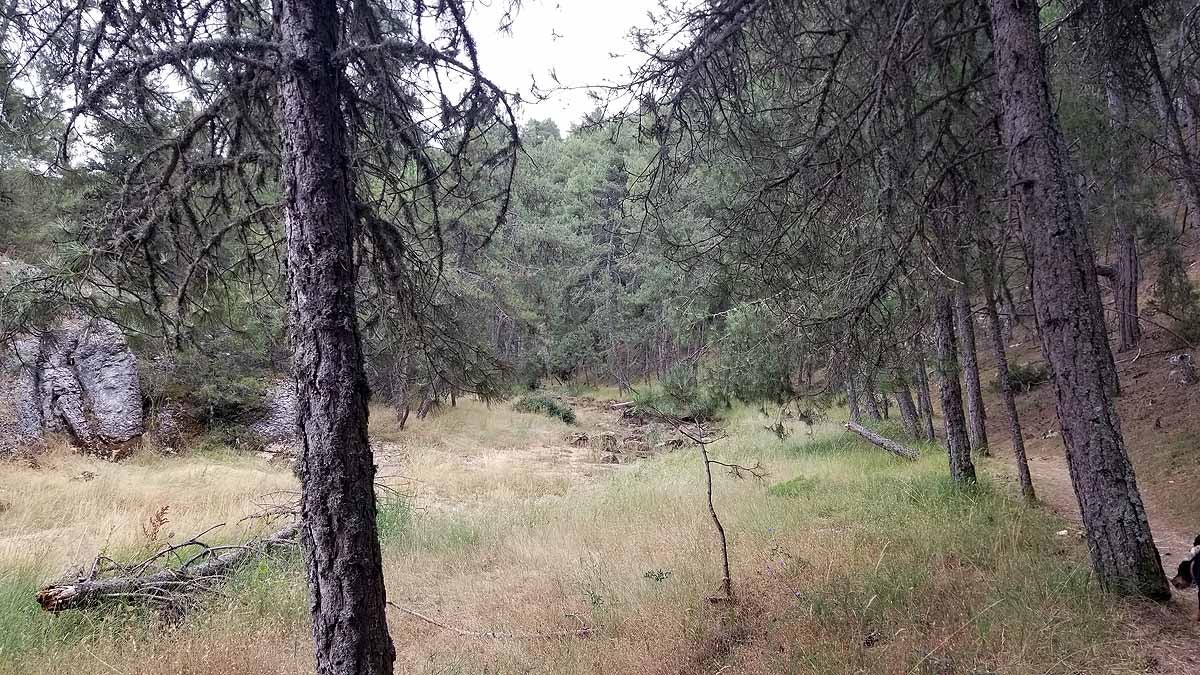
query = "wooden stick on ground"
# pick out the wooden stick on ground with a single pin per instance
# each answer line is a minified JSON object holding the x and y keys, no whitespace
{"x":885,"y":443}
{"x":211,"y":565}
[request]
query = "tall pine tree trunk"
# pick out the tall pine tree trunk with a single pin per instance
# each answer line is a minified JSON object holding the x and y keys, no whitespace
{"x":1065,"y":294}
{"x":1000,"y":354}
{"x":337,"y":506}
{"x":924,"y":399}
{"x":852,"y":399}
{"x":969,"y":359}
{"x":869,"y":400}
{"x":958,"y":447}
{"x":1126,"y":273}
{"x":908,"y":410}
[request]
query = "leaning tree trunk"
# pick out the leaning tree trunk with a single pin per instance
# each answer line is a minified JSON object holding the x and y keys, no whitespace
{"x":1000,"y":353}
{"x":924,"y":399}
{"x":883,"y":442}
{"x":336,"y":468}
{"x":958,"y":448}
{"x":1125,"y":282}
{"x":976,"y":414}
{"x":1065,"y":293}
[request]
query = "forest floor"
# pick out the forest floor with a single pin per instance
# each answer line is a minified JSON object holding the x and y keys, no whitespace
{"x":845,"y":559}
{"x":1162,"y":433}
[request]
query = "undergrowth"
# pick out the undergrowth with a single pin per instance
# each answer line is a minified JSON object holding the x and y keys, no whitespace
{"x":545,"y":405}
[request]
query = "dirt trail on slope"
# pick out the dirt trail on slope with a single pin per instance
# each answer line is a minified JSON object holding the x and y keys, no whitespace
{"x":1168,"y":633}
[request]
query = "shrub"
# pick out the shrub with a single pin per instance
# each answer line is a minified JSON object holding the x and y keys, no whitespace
{"x":1023,"y":377}
{"x":544,"y":405}
{"x":680,"y":394}
{"x":233,"y":401}
{"x":1175,"y":296}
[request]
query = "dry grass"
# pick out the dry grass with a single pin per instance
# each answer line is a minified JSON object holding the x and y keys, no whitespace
{"x":70,"y":507}
{"x":866,"y":566}
{"x":848,"y":562}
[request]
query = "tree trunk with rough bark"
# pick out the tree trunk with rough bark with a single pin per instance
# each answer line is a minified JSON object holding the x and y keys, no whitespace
{"x":1126,"y":271}
{"x":908,"y":410}
{"x":1065,"y":293}
{"x":869,"y":397}
{"x":1000,"y":354}
{"x":924,"y":399}
{"x":969,"y":360}
{"x":852,"y":399}
{"x":958,"y":448}
{"x":336,"y":469}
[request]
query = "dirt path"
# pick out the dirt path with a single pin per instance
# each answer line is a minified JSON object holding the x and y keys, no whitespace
{"x":1168,"y":633}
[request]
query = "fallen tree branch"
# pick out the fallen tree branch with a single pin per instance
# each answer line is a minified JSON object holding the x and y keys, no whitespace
{"x":583,"y":631}
{"x":885,"y":443}
{"x":208,"y":567}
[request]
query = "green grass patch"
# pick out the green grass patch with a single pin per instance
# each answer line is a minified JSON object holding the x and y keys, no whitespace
{"x":26,"y":631}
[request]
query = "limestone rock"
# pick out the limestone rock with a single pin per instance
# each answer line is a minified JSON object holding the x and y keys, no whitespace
{"x":107,"y":372}
{"x":279,"y":424}
{"x":79,"y":379}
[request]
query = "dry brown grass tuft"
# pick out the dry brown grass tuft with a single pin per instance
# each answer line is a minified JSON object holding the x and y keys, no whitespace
{"x":70,"y":507}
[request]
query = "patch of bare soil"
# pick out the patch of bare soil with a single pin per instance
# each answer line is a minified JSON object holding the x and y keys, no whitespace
{"x":450,"y":477}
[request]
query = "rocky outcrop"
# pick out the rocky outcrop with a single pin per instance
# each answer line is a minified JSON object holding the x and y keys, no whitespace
{"x":79,"y":379}
{"x":278,"y":426}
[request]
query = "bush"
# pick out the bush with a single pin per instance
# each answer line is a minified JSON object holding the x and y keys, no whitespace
{"x":544,"y":405}
{"x":1023,"y":377}
{"x":1175,"y":296}
{"x":231,"y":402}
{"x":678,"y":397}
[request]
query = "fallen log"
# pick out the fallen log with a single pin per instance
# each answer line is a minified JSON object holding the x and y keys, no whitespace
{"x":151,"y":583}
{"x":885,"y":443}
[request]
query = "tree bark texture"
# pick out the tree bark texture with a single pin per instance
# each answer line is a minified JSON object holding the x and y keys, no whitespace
{"x":968,"y":358}
{"x":908,"y":410}
{"x":336,"y":469}
{"x":1065,"y":293}
{"x":958,"y":448}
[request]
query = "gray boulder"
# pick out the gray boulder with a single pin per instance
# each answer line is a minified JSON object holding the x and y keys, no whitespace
{"x":278,"y":426}
{"x":79,"y":379}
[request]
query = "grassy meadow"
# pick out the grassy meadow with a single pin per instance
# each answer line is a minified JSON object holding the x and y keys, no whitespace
{"x":845,"y":560}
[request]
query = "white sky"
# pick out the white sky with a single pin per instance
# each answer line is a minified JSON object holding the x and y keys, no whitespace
{"x":574,"y":38}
